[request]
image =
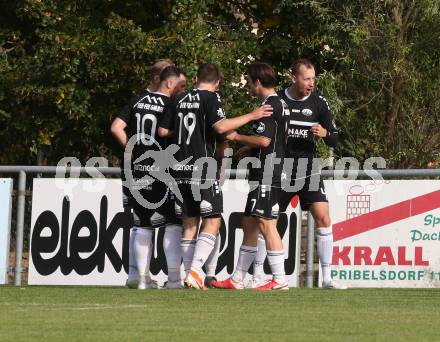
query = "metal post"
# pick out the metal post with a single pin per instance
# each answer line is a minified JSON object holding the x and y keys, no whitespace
{"x":331,"y":155}
{"x":310,"y":247}
{"x":21,"y":196}
{"x":40,"y":157}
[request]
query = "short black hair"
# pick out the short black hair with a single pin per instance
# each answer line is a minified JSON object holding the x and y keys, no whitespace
{"x":296,"y":65}
{"x":208,"y":73}
{"x":168,"y":72}
{"x":262,"y":72}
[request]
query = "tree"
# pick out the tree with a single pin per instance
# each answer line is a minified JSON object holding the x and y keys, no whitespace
{"x":393,"y":87}
{"x":67,"y":67}
{"x":65,"y":70}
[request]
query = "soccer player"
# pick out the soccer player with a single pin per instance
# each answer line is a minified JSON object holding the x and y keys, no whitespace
{"x":262,"y":207}
{"x":310,"y":119}
{"x":133,"y":274}
{"x":138,"y":121}
{"x":195,"y":120}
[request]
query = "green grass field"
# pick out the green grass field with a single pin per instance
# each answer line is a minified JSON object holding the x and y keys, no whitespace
{"x":114,"y":314}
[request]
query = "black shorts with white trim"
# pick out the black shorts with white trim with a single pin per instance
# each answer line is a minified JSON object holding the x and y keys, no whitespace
{"x":209,"y":204}
{"x":263,"y":201}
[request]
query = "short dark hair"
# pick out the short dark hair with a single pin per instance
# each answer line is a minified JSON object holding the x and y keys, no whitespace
{"x":208,"y":73}
{"x":159,"y":65}
{"x":262,"y":72}
{"x":168,"y":72}
{"x":296,"y":65}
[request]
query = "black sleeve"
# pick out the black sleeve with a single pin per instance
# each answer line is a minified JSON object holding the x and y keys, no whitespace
{"x":326,"y":121}
{"x":214,"y":110}
{"x":167,"y":120}
{"x":220,"y":137}
{"x":124,"y":114}
{"x":265,"y":127}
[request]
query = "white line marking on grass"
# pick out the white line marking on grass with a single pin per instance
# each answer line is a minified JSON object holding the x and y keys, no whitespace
{"x":67,"y":306}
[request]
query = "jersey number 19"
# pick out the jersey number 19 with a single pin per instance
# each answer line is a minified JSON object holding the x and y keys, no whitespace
{"x":185,"y":120}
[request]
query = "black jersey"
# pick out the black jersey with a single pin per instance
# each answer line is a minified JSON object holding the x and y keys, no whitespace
{"x":192,"y":117}
{"x":142,"y":115}
{"x":274,"y":128}
{"x":302,"y":115}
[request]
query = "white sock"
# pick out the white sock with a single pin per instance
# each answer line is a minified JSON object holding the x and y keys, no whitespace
{"x":187,"y":246}
{"x":260,"y":257}
{"x":211,"y":262}
{"x":172,"y":250}
{"x":143,"y":247}
{"x":276,"y":262}
{"x":245,"y":260}
{"x":204,"y":246}
{"x":324,"y":240}
{"x":132,"y":267}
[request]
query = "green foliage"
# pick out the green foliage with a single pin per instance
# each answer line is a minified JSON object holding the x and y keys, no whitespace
{"x":67,"y":67}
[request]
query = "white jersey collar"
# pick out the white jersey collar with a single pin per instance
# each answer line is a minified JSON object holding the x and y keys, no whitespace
{"x":158,"y":93}
{"x":286,"y":91}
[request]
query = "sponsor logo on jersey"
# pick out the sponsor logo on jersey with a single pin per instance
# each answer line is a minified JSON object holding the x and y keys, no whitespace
{"x":275,"y":210}
{"x":146,"y":168}
{"x":296,"y":111}
{"x":189,"y":105}
{"x":220,"y":113}
{"x":205,"y":207}
{"x":157,"y":219}
{"x":306,"y":112}
{"x":298,"y":133}
{"x":194,"y":98}
{"x":177,"y":209}
{"x":184,"y":167}
{"x":153,"y":99}
{"x":260,"y":128}
{"x":259,"y":211}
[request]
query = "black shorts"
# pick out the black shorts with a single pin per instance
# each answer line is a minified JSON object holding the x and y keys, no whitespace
{"x":263,"y":202}
{"x":209,"y":204}
{"x":146,"y":216}
{"x":306,"y":196}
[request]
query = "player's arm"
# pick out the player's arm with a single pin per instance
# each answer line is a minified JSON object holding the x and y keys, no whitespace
{"x":121,"y":122}
{"x":253,"y":141}
{"x":326,"y":128}
{"x":226,"y":125}
{"x":264,"y":131}
{"x":118,"y":131}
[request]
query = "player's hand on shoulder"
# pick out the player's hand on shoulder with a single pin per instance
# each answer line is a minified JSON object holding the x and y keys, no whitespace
{"x":318,"y":131}
{"x":261,"y":112}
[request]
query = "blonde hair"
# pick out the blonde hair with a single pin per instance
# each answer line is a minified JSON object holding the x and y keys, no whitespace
{"x":159,"y":65}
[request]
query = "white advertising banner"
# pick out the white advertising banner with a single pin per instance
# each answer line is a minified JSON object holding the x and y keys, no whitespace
{"x":80,"y":234}
{"x":77,"y":232}
{"x":5,"y":226}
{"x":386,"y":233}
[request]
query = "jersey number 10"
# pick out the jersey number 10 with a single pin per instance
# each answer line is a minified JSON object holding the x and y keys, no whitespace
{"x":143,"y":137}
